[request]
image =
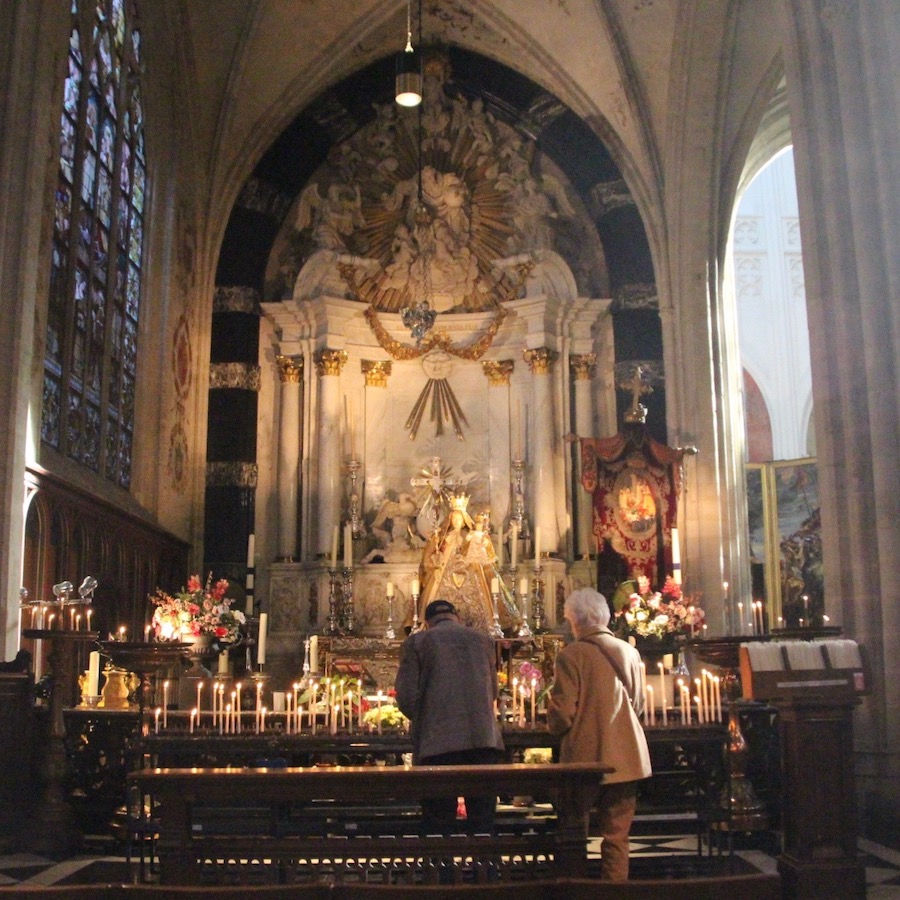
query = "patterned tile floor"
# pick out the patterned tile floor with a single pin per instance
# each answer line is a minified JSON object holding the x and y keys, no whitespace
{"x":651,"y":856}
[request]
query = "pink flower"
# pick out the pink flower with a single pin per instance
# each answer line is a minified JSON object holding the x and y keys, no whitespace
{"x":193,"y":584}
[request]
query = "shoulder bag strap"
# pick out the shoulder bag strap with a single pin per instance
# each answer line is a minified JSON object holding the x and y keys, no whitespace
{"x":614,"y":663}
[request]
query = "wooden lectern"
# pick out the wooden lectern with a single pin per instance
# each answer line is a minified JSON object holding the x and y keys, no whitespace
{"x":815,"y":711}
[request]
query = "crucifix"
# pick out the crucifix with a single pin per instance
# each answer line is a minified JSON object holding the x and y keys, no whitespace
{"x":433,"y":489}
{"x":638,"y":387}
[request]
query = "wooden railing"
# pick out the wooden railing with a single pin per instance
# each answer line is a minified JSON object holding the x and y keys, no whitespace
{"x":261,"y":839}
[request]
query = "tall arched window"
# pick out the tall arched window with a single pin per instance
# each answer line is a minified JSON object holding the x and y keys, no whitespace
{"x":95,"y":277}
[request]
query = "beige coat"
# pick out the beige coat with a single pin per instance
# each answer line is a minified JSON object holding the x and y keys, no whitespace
{"x":589,"y":708}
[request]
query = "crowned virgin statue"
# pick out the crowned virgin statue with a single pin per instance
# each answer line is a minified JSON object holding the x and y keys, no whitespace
{"x":457,"y":565}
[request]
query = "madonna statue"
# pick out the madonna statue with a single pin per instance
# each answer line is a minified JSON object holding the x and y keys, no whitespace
{"x":458,"y":564}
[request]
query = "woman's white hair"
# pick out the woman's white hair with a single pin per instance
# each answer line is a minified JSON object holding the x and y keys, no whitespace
{"x":587,"y":609}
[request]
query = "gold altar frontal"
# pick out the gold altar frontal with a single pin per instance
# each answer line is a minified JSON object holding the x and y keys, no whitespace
{"x":374,"y":660}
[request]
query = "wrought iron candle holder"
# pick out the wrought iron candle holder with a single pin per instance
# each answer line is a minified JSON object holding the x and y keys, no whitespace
{"x":537,"y":600}
{"x":347,"y":619}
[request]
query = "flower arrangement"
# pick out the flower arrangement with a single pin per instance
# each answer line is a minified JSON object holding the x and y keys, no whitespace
{"x":388,"y":714}
{"x":197,"y":610}
{"x":657,"y":614}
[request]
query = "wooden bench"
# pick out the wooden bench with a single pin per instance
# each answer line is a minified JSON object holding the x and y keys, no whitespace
{"x":241,"y":825}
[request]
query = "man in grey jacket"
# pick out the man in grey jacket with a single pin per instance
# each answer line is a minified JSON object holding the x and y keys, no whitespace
{"x":446,"y":685}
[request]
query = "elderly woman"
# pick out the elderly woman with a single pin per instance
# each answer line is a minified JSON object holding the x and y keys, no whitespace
{"x":594,"y":707}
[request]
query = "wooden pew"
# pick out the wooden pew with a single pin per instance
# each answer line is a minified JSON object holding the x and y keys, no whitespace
{"x":268,"y":850}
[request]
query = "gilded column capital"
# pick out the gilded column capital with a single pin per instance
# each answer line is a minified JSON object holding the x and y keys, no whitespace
{"x":290,"y":369}
{"x":540,"y":360}
{"x":498,"y":371}
{"x":583,"y":365}
{"x":330,"y":362}
{"x":376,"y":372}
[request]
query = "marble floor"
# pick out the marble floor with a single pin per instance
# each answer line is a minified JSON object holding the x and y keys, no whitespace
{"x":103,"y":862}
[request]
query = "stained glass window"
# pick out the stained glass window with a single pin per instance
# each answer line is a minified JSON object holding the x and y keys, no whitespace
{"x":90,"y":359}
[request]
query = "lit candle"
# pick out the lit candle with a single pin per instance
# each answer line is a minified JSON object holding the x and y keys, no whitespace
{"x":334,"y":719}
{"x":122,"y":632}
{"x":699,"y":703}
{"x":533,"y":696}
{"x":50,"y":619}
{"x":193,"y":718}
{"x":88,"y":615}
{"x":350,"y":711}
{"x":199,"y":689}
{"x":165,"y":704}
{"x":717,"y":698}
{"x":514,"y":545}
{"x":334,"y":547}
{"x":232,"y":712}
{"x":699,"y":696}
{"x":741,"y":615}
{"x":360,"y":708}
{"x":348,"y":546}
{"x":147,"y":634}
{"x":72,"y":619}
{"x":691,"y":619}
{"x":537,"y":546}
{"x":78,"y":621}
{"x":156,"y":715}
{"x":228,"y":722}
{"x":261,"y":646}
{"x":237,"y":706}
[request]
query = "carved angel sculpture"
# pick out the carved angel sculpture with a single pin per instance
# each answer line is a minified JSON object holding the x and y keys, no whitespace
{"x":333,"y":217}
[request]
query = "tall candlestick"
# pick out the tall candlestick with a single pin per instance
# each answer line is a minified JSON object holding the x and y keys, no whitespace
{"x":261,"y":645}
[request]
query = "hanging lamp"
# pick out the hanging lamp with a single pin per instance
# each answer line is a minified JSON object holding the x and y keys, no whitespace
{"x":408,"y":83}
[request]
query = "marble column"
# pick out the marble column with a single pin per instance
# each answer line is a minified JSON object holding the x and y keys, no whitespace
{"x":583,"y":366}
{"x":500,"y":428}
{"x":329,"y":364}
{"x":374,"y":430}
{"x":540,"y":452}
{"x":290,"y":372}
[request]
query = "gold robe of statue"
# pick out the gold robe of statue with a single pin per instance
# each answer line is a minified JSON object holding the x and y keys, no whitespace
{"x":457,"y":565}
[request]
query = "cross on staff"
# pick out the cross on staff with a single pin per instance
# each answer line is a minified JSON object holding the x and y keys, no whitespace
{"x":638,"y":387}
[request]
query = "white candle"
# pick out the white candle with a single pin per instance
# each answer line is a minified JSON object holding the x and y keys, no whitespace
{"x":278,"y":701}
{"x":701,"y":717}
{"x":348,"y":546}
{"x":499,"y":548}
{"x":156,"y":715}
{"x":665,"y":715}
{"x":165,"y":704}
{"x":537,"y":546}
{"x":533,"y":698}
{"x":93,"y":674}
{"x":251,"y":551}
{"x":389,"y":589}
{"x":676,"y":557}
{"x":223,"y":663}
{"x":88,"y":615}
{"x":348,"y":425}
{"x":359,"y":711}
{"x":261,"y":646}
{"x":523,"y":587}
{"x":495,"y":585}
{"x":334,"y":547}
{"x":741,"y":615}
{"x":314,"y":653}
{"x":514,"y":545}
{"x":193,"y":719}
{"x":237,"y":706}
{"x":699,"y":703}
{"x":651,"y":705}
{"x":414,"y":587}
{"x":199,"y":689}
{"x":717,"y":697}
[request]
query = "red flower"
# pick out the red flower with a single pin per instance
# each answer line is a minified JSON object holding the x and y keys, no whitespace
{"x":193,"y":584}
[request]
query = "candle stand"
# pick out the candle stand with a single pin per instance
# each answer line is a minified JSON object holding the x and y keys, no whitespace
{"x":416,"y":624}
{"x":356,"y":523}
{"x":496,"y":631}
{"x":537,"y":600}
{"x":332,"y":627}
{"x":347,"y":617}
{"x":389,"y":633}
{"x":52,"y":830}
{"x":524,"y":630}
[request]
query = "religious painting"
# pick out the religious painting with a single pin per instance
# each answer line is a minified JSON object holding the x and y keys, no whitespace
{"x":786,"y":540}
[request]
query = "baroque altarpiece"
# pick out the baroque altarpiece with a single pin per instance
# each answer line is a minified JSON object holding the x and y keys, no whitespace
{"x":375,"y":423}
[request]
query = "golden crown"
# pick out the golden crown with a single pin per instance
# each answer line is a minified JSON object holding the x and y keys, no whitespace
{"x":459,"y":501}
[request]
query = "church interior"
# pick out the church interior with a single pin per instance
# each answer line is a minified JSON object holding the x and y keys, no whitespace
{"x":317,"y":312}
